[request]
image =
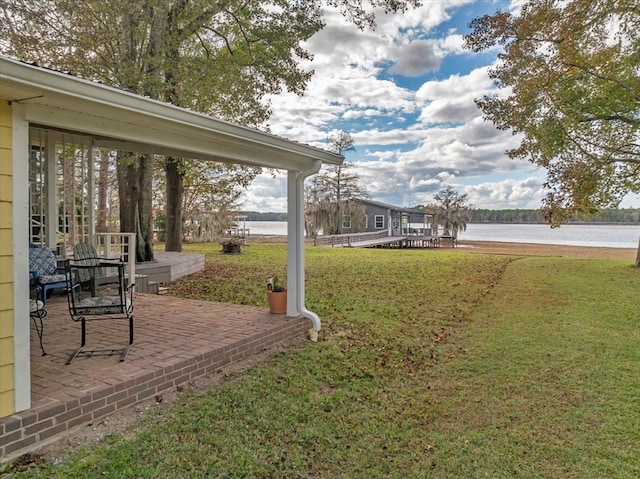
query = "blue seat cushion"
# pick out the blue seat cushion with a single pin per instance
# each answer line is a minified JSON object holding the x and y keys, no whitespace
{"x":42,"y":262}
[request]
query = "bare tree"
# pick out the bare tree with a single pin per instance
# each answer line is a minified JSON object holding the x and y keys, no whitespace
{"x":332,"y":195}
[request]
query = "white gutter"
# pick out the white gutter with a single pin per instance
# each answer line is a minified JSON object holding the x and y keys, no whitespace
{"x":296,"y":257}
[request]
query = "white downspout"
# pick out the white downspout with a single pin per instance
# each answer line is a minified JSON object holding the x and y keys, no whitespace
{"x":296,"y":252}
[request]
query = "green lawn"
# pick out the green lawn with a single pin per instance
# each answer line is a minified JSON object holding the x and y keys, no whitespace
{"x":430,"y":364}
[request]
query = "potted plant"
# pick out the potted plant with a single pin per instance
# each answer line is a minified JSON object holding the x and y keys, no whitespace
{"x":277,"y":296}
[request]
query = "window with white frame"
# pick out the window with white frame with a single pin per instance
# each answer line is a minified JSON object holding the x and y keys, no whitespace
{"x":366,"y":222}
{"x":346,"y":222}
{"x":379,"y":221}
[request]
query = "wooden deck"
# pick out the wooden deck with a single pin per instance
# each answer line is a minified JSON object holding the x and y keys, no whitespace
{"x":170,"y":266}
{"x":176,"y":341}
{"x":166,"y":268}
{"x":405,"y":242}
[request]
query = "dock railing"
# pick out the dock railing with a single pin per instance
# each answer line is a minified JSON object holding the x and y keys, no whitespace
{"x":349,"y":239}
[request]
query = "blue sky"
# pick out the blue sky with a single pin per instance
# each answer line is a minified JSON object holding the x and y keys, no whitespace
{"x":405,"y":92}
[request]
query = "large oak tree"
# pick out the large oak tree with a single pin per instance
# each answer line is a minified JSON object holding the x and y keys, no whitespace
{"x":569,"y":73}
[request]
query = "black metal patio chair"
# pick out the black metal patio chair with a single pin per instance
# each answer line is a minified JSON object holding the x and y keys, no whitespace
{"x":88,"y":304}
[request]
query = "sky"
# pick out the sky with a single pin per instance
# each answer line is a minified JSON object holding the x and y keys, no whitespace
{"x":405,"y":93}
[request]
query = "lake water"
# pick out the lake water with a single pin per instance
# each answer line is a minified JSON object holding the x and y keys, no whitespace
{"x":612,"y":236}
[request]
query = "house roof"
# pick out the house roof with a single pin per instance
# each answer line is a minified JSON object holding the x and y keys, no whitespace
{"x":122,"y":120}
{"x":415,"y":211}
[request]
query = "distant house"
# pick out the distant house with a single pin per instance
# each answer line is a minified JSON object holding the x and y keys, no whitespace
{"x":396,"y":220}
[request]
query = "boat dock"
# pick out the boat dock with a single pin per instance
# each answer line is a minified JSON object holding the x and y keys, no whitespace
{"x":382,"y":239}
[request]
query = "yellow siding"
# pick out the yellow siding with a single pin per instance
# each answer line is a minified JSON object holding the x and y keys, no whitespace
{"x":7,"y":403}
{"x":6,"y":216}
{"x":6,"y":242}
{"x":5,"y":162}
{"x":6,"y":323}
{"x":6,"y":302}
{"x":6,"y":350}
{"x":7,"y":382}
{"x":7,"y":395}
{"x":6,"y":264}
{"x":5,"y":128}
{"x":6,"y":187}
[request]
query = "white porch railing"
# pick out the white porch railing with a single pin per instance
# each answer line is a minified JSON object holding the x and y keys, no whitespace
{"x":349,"y":239}
{"x":118,"y":246}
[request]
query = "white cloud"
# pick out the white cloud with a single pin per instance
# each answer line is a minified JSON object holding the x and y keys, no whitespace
{"x":268,"y":192}
{"x":476,"y":82}
{"x":453,"y":44}
{"x":418,"y":22}
{"x":416,"y":58}
{"x":508,"y":194}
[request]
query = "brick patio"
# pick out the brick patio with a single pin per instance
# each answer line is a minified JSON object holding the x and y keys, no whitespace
{"x":176,"y":340}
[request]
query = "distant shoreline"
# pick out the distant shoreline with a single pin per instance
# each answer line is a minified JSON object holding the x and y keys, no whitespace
{"x":570,"y":223}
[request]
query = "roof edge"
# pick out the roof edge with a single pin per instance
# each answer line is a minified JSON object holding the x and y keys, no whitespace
{"x":54,"y":81}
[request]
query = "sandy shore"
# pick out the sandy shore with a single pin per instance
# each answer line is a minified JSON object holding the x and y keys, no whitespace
{"x":527,"y":249}
{"x":531,"y":249}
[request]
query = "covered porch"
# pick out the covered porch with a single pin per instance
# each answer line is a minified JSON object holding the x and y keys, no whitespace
{"x":52,"y":120}
{"x":176,"y":341}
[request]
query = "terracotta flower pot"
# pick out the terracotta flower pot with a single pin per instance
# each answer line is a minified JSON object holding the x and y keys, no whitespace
{"x":277,"y":302}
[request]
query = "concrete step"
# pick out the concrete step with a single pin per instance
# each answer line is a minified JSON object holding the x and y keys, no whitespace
{"x":144,"y":285}
{"x":153,"y":287}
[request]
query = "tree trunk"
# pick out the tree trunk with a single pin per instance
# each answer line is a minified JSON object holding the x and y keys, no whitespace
{"x":173,"y":213}
{"x":103,"y":181}
{"x":128,"y":191}
{"x":638,"y":255}
{"x":134,"y":182}
{"x":145,"y":215}
{"x":173,"y":166}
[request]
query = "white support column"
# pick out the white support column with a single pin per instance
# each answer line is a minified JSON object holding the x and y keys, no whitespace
{"x":51,"y":178}
{"x":293,"y":287}
{"x":21,"y":322}
{"x":91,"y":181}
{"x":295,"y":247}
